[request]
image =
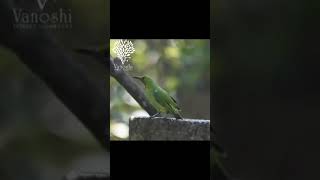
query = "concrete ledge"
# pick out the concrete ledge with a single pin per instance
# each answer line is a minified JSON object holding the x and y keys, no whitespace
{"x":160,"y":128}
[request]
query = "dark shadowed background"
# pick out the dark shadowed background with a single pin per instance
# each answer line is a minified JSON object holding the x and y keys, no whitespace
{"x":39,"y":137}
{"x":266,"y":79}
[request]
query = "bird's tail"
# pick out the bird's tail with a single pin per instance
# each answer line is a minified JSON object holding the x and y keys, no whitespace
{"x":178,"y":115}
{"x":176,"y":112}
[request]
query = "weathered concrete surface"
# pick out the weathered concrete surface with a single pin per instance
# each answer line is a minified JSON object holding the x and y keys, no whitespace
{"x":160,"y":128}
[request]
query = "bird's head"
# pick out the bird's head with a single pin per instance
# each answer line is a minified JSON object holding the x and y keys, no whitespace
{"x":144,"y":79}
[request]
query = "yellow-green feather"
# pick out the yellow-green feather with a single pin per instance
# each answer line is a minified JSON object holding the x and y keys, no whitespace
{"x":160,"y":99}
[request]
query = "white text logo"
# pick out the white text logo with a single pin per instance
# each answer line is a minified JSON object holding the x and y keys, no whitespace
{"x":42,"y":3}
{"x":123,"y":49}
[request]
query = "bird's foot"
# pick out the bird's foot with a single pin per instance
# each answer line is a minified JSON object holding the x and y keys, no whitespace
{"x":154,"y":115}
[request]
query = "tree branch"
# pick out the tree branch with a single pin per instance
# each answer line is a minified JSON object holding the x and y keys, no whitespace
{"x":69,"y":81}
{"x":130,"y":85}
{"x":99,"y":54}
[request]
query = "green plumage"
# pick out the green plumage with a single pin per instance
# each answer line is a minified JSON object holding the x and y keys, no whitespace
{"x":159,"y":98}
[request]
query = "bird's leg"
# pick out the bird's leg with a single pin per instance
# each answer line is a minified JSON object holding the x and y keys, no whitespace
{"x":154,"y":115}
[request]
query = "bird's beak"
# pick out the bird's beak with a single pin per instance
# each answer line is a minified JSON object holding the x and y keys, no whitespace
{"x":137,"y":77}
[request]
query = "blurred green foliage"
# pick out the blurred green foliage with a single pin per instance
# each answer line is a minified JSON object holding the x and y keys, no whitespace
{"x":182,"y":67}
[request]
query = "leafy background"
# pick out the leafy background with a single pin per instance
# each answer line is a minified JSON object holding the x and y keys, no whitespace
{"x":182,"y":67}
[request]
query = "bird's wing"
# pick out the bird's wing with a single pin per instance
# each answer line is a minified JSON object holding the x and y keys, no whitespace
{"x":170,"y":99}
{"x":175,"y":103}
{"x":165,"y":100}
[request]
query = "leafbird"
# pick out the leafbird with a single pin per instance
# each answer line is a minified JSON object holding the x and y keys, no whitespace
{"x":159,"y":98}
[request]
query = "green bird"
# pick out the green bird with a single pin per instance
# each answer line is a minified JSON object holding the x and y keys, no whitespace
{"x":159,"y":98}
